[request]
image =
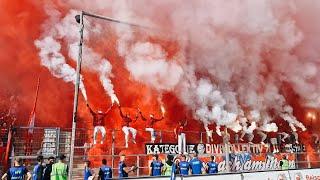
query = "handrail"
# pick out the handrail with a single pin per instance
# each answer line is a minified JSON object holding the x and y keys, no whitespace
{"x":110,"y":130}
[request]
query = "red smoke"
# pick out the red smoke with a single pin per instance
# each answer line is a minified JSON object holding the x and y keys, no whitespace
{"x":21,"y":24}
{"x":20,"y":66}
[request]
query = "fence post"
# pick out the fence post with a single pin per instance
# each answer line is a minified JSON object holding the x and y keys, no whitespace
{"x":112,"y":148}
{"x":200,"y":137}
{"x":13,"y":157}
{"x":308,"y":160}
{"x":296,"y":160}
{"x":58,"y":142}
{"x":226,"y":146}
{"x":138,"y":165}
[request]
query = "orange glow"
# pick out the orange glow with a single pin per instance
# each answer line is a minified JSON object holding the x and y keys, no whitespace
{"x":311,"y":115}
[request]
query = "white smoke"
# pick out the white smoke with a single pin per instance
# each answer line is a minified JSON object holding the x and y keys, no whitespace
{"x":148,"y":63}
{"x":238,"y":56}
{"x":287,"y":116}
{"x":66,"y":29}
{"x":91,"y":60}
{"x":272,"y":127}
{"x":52,"y":59}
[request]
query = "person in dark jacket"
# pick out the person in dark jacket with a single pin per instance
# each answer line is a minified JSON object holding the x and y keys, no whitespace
{"x":47,"y":170}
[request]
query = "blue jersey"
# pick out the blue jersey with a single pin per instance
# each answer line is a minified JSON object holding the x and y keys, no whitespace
{"x":122,"y":172}
{"x":105,"y":172}
{"x":184,"y":168}
{"x":87,"y":173}
{"x":37,"y":172}
{"x":17,"y":173}
{"x":196,"y":166}
{"x":156,"y":168}
{"x":212,"y":167}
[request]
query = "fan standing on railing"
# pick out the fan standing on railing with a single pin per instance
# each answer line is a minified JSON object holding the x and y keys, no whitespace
{"x":150,"y":124}
{"x":98,"y":123}
{"x":126,"y":120}
{"x":179,"y":133}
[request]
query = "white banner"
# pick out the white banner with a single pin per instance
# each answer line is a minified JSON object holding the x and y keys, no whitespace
{"x":50,"y":142}
{"x":306,"y":174}
{"x":270,"y":175}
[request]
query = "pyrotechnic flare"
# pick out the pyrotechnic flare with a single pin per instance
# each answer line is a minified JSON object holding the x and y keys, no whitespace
{"x":104,"y":75}
{"x":163,"y":110}
{"x":126,"y":120}
{"x":114,"y":99}
{"x":67,"y":29}
{"x":150,"y":122}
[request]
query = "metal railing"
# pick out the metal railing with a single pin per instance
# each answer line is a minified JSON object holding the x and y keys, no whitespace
{"x":115,"y":142}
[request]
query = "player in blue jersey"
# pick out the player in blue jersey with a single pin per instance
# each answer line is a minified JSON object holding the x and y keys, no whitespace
{"x":196,"y":165}
{"x":156,"y":166}
{"x":184,"y":166}
{"x":18,"y":171}
{"x":212,"y":166}
{"x":37,"y":173}
{"x":88,"y":172}
{"x":105,"y":171}
{"x":123,"y":169}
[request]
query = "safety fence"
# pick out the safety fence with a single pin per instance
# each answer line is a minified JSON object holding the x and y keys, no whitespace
{"x":54,"y":141}
{"x":113,"y":143}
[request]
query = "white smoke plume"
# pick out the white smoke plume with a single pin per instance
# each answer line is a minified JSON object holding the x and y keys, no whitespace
{"x":234,"y":55}
{"x":66,"y":29}
{"x":145,"y":60}
{"x":52,"y":59}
